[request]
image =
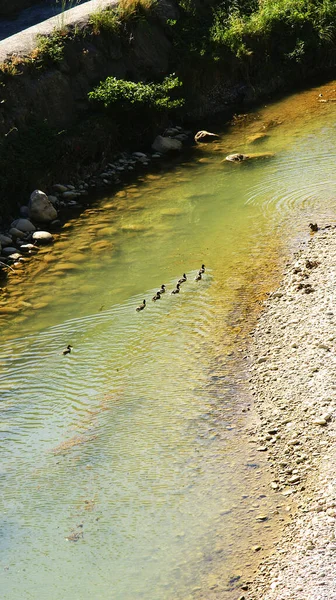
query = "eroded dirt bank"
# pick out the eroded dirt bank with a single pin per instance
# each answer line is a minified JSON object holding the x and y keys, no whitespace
{"x":293,"y":380}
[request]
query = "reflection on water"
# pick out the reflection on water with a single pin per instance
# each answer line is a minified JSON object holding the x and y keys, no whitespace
{"x":127,"y":469}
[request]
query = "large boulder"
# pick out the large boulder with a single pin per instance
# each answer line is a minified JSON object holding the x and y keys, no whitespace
{"x":166,"y":144}
{"x":40,"y":207}
{"x":205,"y":137}
{"x":24,"y":225}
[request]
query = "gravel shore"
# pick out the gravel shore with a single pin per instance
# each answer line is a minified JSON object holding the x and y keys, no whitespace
{"x":293,"y":381}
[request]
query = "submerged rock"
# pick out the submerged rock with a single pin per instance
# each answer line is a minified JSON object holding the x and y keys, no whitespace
{"x":236,"y":157}
{"x":40,"y":207}
{"x":242,"y":157}
{"x":205,"y":137}
{"x":257,"y":138}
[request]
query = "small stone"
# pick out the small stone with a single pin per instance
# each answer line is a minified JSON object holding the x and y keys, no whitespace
{"x":24,"y":225}
{"x":42,"y":237}
{"x":262,"y":449}
{"x":16,"y":233}
{"x":5,"y":240}
{"x":319,"y":421}
{"x":8,"y":250}
{"x":262,"y":518}
{"x":58,"y":187}
{"x":294,"y":479}
{"x":69,"y":195}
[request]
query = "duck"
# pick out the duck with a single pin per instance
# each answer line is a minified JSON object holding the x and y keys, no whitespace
{"x":156,"y":297}
{"x":177,"y":289}
{"x":162,"y":289}
{"x":202,"y":270}
{"x":67,"y":350}
{"x":313,"y":226}
{"x":141,"y":307}
{"x":183,"y":279}
{"x":198,"y":277}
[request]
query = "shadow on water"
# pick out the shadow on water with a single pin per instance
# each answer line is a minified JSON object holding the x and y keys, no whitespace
{"x":131,"y":464}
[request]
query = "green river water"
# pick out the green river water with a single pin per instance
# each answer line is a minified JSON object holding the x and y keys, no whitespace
{"x":126,"y":468}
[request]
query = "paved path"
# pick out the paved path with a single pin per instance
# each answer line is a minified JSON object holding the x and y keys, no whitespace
{"x":25,"y":41}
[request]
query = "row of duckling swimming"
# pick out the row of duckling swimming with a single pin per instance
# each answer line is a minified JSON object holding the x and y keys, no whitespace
{"x":177,"y":290}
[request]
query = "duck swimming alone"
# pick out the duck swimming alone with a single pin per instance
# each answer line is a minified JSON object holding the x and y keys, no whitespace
{"x":177,"y":289}
{"x":156,"y":297}
{"x":141,"y":307}
{"x":67,"y":350}
{"x":183,"y":279}
{"x":313,"y":226}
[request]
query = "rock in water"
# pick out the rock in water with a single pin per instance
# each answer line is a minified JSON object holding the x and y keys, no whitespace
{"x":42,"y":237}
{"x":165,"y":144}
{"x":204,"y":137}
{"x":236,"y":157}
{"x":40,"y":207}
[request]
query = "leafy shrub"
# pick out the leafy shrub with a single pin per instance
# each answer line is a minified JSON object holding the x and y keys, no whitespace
{"x":107,"y":20}
{"x":128,"y":94}
{"x":50,"y":48}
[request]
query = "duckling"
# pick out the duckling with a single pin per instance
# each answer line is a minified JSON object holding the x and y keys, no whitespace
{"x":202,"y":269}
{"x":156,"y":297}
{"x":183,"y":279}
{"x":141,"y":307}
{"x":198,"y":277}
{"x":67,"y":350}
{"x":162,"y":289}
{"x":177,"y":289}
{"x":313,"y":226}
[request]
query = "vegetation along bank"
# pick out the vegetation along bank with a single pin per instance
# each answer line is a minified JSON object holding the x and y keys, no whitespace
{"x":112,"y":82}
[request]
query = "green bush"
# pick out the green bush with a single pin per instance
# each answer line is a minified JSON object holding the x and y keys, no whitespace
{"x":50,"y":48}
{"x":126,"y":95}
{"x":288,"y":28}
{"x":107,"y":21}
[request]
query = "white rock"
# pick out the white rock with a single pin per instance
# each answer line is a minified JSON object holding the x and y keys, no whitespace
{"x":42,"y":237}
{"x":205,"y":137}
{"x":165,"y":144}
{"x":24,"y":225}
{"x":40,"y":207}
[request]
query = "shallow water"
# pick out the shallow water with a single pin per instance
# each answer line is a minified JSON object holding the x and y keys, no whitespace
{"x":127,"y":468}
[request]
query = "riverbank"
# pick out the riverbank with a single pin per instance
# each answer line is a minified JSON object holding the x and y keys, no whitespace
{"x":294,"y":387}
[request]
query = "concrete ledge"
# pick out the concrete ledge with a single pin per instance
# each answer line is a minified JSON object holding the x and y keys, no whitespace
{"x":21,"y":44}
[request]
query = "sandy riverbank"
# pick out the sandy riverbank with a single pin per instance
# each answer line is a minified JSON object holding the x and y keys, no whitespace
{"x":293,"y":380}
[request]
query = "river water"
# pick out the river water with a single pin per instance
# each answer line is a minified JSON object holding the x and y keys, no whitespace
{"x":127,"y":468}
